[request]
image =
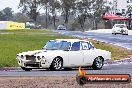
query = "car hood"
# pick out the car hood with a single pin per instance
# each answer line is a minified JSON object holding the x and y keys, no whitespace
{"x":38,"y":52}
{"x":120,"y":28}
{"x":31,"y":52}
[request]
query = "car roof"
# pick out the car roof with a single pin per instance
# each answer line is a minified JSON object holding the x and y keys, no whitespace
{"x":61,"y":26}
{"x":71,"y":40}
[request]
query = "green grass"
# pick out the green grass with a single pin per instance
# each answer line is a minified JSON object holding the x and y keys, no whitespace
{"x":25,"y":40}
{"x":26,"y":31}
{"x":117,"y":52}
{"x":20,"y":41}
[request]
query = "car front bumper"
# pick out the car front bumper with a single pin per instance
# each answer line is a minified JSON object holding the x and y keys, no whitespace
{"x":33,"y":64}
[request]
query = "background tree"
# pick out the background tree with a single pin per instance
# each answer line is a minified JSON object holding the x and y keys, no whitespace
{"x":66,"y":6}
{"x":54,"y":8}
{"x":45,"y":4}
{"x":31,"y":8}
{"x":2,"y":16}
{"x":89,"y":10}
{"x":129,"y":13}
{"x":6,"y":14}
{"x":82,"y":11}
{"x":98,"y":7}
{"x":20,"y":17}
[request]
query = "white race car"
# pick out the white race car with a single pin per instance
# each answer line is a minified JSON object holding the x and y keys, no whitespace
{"x":120,"y":29}
{"x":61,"y":27}
{"x":64,"y":53}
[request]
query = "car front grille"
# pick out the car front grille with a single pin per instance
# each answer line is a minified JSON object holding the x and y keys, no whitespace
{"x":32,"y":64}
{"x":32,"y":58}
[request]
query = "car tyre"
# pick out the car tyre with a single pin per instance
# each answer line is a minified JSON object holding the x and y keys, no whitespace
{"x":114,"y":33}
{"x":98,"y":63}
{"x":56,"y":64}
{"x":26,"y":69}
{"x":124,"y":34}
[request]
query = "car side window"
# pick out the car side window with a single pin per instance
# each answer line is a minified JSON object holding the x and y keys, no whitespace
{"x":85,"y":46}
{"x":66,"y":45}
{"x":90,"y":46}
{"x":75,"y":46}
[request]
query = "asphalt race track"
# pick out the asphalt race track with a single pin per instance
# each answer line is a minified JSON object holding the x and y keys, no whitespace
{"x":119,"y":40}
{"x":109,"y":69}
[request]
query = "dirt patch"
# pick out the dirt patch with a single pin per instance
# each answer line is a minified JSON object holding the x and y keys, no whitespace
{"x":52,"y":82}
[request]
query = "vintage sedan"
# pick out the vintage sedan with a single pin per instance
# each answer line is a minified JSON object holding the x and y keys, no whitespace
{"x":120,"y":29}
{"x":61,"y":27}
{"x":64,"y":53}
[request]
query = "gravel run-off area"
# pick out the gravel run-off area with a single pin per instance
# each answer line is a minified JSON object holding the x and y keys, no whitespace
{"x":52,"y":82}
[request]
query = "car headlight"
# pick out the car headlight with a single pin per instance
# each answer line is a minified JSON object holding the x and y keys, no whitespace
{"x":17,"y":57}
{"x":38,"y":57}
{"x":43,"y":61}
{"x":43,"y":57}
{"x":22,"y":56}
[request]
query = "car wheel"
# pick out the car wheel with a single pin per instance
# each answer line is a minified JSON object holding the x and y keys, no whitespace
{"x":56,"y":64}
{"x":26,"y":69}
{"x":124,"y":34}
{"x":114,"y":33}
{"x":98,"y":63}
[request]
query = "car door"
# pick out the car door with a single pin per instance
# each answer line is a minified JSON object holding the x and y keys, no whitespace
{"x":75,"y":55}
{"x":88,"y":53}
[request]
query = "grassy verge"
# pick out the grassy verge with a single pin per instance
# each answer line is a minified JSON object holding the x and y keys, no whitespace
{"x":117,"y":52}
{"x":16,"y":41}
{"x":20,"y":41}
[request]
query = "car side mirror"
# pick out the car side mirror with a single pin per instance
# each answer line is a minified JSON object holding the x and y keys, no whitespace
{"x":42,"y":48}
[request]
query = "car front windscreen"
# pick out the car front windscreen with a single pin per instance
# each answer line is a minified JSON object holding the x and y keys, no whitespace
{"x":121,"y":26}
{"x":57,"y":45}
